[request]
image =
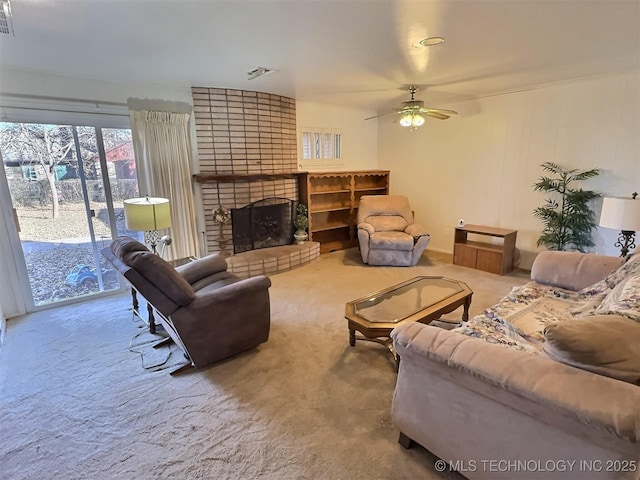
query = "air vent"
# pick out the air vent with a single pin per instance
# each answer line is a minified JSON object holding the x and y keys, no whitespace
{"x":258,"y":72}
{"x":6,"y":23}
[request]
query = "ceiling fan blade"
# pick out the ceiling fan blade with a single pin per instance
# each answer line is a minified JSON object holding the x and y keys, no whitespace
{"x":442,"y":110}
{"x":438,"y":115}
{"x":382,"y":114}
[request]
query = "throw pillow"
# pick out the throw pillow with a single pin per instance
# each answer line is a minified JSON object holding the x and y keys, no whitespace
{"x":623,"y":299}
{"x":604,"y":344}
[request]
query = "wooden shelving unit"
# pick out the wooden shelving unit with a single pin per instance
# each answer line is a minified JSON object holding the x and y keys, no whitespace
{"x":482,"y":255}
{"x":333,"y":199}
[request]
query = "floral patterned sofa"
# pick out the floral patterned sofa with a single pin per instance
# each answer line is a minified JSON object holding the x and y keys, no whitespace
{"x":519,"y":319}
{"x":562,"y":400}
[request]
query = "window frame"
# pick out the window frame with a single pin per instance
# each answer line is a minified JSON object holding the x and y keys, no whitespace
{"x":319,"y":155}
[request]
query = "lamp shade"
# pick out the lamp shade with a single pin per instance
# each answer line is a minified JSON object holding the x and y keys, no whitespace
{"x":620,"y":214}
{"x":147,"y":214}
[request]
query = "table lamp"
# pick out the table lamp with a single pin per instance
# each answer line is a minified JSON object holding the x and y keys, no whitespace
{"x":148,"y":214}
{"x":622,"y":214}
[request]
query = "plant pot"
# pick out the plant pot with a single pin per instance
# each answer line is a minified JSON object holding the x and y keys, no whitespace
{"x":300,"y":237}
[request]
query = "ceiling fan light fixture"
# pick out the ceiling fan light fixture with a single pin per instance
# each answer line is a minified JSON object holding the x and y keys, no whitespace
{"x":431,"y":41}
{"x":406,"y":120}
{"x":411,"y":120}
{"x":412,"y":113}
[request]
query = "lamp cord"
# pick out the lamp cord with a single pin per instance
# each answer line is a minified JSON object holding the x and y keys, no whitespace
{"x":132,"y":349}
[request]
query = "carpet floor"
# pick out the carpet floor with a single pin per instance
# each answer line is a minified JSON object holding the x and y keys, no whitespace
{"x":82,"y":397}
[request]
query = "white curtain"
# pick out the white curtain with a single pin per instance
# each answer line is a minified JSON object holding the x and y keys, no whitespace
{"x":163,"y":160}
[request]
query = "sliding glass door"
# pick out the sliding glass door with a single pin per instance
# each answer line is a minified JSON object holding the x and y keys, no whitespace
{"x":67,"y":183}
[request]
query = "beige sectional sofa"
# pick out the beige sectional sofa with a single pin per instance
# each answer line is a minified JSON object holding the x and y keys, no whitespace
{"x":543,"y":385}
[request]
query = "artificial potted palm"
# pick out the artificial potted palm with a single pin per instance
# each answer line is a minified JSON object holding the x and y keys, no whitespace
{"x":566,"y":215}
{"x":301,"y":222}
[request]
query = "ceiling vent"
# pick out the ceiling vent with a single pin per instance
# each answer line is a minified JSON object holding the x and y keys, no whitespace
{"x":6,"y":23}
{"x":258,"y":72}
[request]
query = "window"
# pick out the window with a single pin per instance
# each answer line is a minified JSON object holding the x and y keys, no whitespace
{"x":320,"y":146}
{"x":64,"y":186}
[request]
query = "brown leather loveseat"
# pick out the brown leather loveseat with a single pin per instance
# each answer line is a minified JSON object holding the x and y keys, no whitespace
{"x":210,"y":313}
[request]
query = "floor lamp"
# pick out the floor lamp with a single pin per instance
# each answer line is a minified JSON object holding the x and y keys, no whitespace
{"x":148,"y":214}
{"x":622,"y":214}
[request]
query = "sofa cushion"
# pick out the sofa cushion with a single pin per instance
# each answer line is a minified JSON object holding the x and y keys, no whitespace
{"x":219,"y":279}
{"x":391,"y":241}
{"x":373,"y":205}
{"x":577,"y":269}
{"x":165,"y":278}
{"x":201,"y":268}
{"x":416,"y":231}
{"x":605,"y":344}
{"x":630,"y":266}
{"x":623,"y":299}
{"x":387,"y":223}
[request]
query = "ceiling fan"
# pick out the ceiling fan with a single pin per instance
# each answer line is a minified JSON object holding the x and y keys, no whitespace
{"x":412,"y":112}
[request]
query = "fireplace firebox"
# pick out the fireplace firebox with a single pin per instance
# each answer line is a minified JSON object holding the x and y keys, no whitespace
{"x":262,"y":224}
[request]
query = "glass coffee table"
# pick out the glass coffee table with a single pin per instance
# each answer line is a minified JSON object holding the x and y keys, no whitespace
{"x":421,"y":299}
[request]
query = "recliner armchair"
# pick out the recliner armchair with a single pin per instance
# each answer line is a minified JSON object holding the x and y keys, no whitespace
{"x":386,"y":232}
{"x":210,"y":313}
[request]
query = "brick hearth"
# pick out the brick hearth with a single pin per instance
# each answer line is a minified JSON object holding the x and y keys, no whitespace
{"x":266,"y":261}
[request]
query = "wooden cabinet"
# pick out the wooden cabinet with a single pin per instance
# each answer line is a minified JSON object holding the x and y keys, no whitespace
{"x":333,"y":198}
{"x":484,"y":254}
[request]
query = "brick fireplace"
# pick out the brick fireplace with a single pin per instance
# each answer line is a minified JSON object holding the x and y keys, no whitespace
{"x":247,"y":151}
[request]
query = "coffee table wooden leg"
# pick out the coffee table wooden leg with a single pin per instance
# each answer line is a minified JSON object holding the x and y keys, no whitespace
{"x":352,"y":337}
{"x":465,"y":313}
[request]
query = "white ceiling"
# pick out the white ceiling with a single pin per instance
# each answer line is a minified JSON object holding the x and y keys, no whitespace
{"x":360,"y":53}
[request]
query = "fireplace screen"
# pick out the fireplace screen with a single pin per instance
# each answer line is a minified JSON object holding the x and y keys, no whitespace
{"x":265,"y":223}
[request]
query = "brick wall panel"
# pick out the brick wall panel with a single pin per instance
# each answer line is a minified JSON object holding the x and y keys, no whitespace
{"x":241,"y":131}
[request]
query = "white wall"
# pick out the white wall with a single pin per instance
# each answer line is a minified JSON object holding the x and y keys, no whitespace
{"x":481,"y":164}
{"x":359,"y":149}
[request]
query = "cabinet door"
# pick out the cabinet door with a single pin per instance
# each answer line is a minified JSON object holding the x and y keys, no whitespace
{"x":489,"y":261}
{"x":464,"y":255}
